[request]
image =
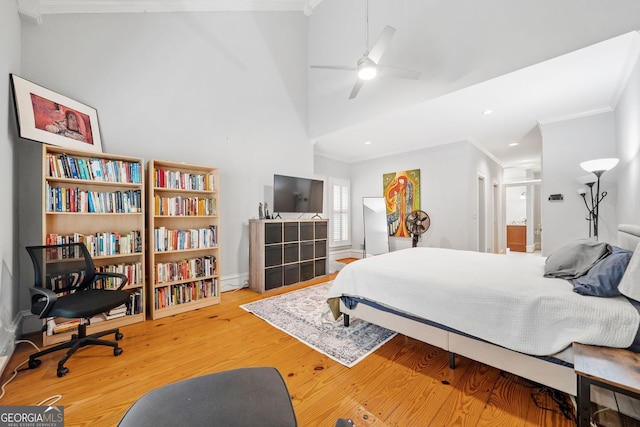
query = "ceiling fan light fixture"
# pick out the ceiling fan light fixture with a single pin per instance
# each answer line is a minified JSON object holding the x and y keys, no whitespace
{"x":367,"y":72}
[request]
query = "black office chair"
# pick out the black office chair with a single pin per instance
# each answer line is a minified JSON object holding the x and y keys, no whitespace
{"x":67,"y":285}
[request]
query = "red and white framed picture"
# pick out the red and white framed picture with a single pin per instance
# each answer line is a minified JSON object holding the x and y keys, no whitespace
{"x":51,"y":118}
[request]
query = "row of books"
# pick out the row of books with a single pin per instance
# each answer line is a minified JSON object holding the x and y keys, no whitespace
{"x":174,"y":240}
{"x":134,"y":307}
{"x":102,"y":243}
{"x":185,"y":269}
{"x":93,"y":169}
{"x":184,"y":206}
{"x":164,"y":178}
{"x":61,"y":281}
{"x":56,"y":326}
{"x":184,"y":293}
{"x":64,"y":199}
{"x":133,"y":271}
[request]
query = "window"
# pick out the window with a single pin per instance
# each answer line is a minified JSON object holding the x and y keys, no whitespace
{"x":340,"y":212}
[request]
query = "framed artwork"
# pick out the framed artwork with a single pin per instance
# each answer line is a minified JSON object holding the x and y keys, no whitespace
{"x":51,"y":118}
{"x":402,"y":196}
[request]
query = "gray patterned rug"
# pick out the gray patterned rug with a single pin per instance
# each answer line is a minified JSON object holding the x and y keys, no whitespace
{"x":304,"y":314}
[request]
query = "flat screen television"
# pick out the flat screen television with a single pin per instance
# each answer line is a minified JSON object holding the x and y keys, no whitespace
{"x":301,"y":195}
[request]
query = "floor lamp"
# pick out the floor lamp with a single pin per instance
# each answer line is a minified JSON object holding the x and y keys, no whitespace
{"x":597,"y":167}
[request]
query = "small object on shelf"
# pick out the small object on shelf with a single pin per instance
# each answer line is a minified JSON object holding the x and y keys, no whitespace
{"x":266,"y":211}
{"x":260,"y":211}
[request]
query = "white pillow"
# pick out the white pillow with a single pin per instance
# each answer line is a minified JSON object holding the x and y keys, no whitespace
{"x":630,"y":284}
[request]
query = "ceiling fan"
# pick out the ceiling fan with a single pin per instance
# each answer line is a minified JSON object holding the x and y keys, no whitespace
{"x":368,"y":66}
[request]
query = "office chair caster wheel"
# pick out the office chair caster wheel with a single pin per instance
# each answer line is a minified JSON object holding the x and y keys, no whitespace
{"x":62,"y":372}
{"x":34,"y":363}
{"x":117,"y":351}
{"x":119,"y":336}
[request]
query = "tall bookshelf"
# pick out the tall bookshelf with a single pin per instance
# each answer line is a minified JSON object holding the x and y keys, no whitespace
{"x":98,"y":199}
{"x":182,"y":225}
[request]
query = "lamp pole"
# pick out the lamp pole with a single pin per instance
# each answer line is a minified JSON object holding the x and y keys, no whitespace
{"x":597,"y":167}
{"x":599,"y":198}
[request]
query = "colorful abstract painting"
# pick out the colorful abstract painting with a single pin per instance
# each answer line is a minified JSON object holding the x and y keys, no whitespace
{"x":402,"y":195}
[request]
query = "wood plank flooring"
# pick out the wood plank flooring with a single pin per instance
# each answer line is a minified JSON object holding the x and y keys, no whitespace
{"x":404,"y":383}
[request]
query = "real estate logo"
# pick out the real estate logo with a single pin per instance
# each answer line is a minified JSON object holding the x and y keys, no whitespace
{"x":31,"y":416}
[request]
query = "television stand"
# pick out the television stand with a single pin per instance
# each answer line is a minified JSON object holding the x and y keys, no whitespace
{"x":286,"y":251}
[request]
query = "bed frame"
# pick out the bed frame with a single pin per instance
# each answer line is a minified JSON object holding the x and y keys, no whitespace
{"x":558,"y":376}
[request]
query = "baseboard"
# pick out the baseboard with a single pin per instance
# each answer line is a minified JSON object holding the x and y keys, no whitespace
{"x":344,"y":253}
{"x":234,"y":281}
{"x":8,"y":337}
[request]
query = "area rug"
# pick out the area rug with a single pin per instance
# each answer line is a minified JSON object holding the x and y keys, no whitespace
{"x":304,"y":314}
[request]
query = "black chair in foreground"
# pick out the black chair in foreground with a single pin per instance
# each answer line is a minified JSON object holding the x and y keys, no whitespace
{"x":241,"y":397}
{"x":67,"y":285}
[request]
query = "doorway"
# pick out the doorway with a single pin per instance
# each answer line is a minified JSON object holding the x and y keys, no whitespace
{"x":482,"y":214}
{"x":523,"y":210}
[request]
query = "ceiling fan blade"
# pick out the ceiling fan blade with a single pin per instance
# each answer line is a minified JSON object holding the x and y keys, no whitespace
{"x":356,"y":88}
{"x":335,"y":67}
{"x":400,"y":73}
{"x":381,"y":44}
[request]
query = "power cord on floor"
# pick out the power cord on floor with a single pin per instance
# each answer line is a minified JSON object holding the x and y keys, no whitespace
{"x":564,"y":405}
{"x":54,"y":399}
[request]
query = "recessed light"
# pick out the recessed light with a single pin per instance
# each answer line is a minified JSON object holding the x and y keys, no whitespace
{"x":513,"y":144}
{"x":367,"y":143}
{"x":487,"y":112}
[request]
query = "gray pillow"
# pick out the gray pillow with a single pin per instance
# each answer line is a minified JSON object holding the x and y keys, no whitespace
{"x":575,"y":259}
{"x":603,"y":278}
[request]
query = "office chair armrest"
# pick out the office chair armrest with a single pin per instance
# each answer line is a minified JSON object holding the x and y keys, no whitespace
{"x":43,"y":295}
{"x":106,"y":274}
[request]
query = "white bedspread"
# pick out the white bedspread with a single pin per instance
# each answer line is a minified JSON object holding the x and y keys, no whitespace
{"x":503,"y":299}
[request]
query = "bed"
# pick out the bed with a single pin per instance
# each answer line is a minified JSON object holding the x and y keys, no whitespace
{"x":496,"y":309}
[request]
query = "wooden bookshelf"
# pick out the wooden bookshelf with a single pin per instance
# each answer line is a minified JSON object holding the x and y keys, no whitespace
{"x":98,"y":199}
{"x":182,"y":226}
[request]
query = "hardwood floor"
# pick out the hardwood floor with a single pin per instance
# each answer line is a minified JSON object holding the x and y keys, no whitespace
{"x":404,"y":383}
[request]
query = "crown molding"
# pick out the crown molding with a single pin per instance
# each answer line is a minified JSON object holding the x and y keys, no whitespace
{"x":557,"y":119}
{"x":32,"y":10}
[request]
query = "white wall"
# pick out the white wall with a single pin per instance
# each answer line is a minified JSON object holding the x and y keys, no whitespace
{"x":448,"y":176}
{"x":628,"y":149}
{"x":483,"y":165}
{"x":221,"y":89}
{"x":564,"y":146}
{"x":9,"y":63}
{"x":324,"y":166}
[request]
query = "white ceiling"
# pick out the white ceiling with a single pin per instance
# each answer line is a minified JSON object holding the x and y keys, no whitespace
{"x":582,"y":82}
{"x":529,"y":62}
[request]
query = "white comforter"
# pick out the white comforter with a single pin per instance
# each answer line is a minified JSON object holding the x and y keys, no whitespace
{"x":503,"y":299}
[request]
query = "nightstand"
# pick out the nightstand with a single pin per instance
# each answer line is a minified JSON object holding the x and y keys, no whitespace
{"x":614,"y":369}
